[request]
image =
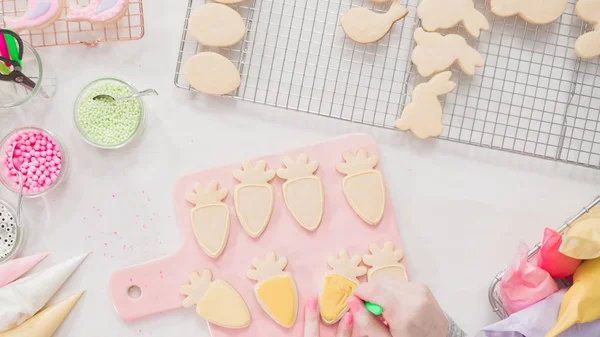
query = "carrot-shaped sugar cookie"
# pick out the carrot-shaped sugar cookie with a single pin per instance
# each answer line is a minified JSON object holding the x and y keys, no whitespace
{"x":588,"y":44}
{"x":275,"y":290}
{"x":303,"y":191}
{"x":363,"y":185}
{"x":210,"y":218}
{"x":338,"y":285}
{"x":216,"y":301}
{"x":385,"y":263}
{"x":423,"y":116}
{"x":254,"y":197}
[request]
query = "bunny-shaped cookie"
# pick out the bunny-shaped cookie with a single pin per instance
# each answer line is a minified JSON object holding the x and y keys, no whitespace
{"x":442,"y":14}
{"x":423,"y":116}
{"x":435,"y":52}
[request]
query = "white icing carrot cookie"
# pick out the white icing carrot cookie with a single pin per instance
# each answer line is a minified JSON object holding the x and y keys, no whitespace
{"x":365,"y":26}
{"x":538,"y":12}
{"x":276,"y":290}
{"x":210,"y":218}
{"x":363,"y":185}
{"x":303,"y":191}
{"x":254,"y":197}
{"x":98,"y":11}
{"x":442,"y":14}
{"x":39,"y":15}
{"x":338,"y":285}
{"x":423,"y":116}
{"x":216,"y":301}
{"x":216,"y":25}
{"x":385,"y":263}
{"x":588,"y":44}
{"x":447,"y":49}
{"x":211,"y":73}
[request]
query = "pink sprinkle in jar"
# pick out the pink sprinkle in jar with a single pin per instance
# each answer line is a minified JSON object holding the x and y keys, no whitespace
{"x":38,"y":156}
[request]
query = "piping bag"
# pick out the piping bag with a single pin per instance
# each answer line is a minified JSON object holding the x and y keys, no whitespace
{"x":14,"y":269}
{"x":24,"y":298}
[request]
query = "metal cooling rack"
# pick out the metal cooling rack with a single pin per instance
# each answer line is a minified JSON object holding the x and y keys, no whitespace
{"x":533,"y":97}
{"x":130,"y":27}
{"x":494,"y":298}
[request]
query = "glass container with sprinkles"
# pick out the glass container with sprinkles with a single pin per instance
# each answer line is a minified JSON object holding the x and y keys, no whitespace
{"x":106,"y":123}
{"x":11,"y":235}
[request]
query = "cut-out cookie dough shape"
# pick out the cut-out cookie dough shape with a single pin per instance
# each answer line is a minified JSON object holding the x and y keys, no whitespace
{"x":363,"y":185}
{"x":338,"y":285}
{"x":423,"y":115}
{"x":447,"y":50}
{"x":39,"y":15}
{"x":254,"y":197}
{"x":210,"y":218}
{"x":538,"y":12}
{"x":276,"y":290}
{"x":98,"y":11}
{"x":443,"y":14}
{"x":365,"y":26}
{"x":216,"y":25}
{"x":385,"y":263}
{"x":588,"y":44}
{"x":303,"y":191}
{"x":211,"y":73}
{"x":216,"y":301}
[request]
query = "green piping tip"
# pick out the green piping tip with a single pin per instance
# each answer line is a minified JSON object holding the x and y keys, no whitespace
{"x":375,"y":309}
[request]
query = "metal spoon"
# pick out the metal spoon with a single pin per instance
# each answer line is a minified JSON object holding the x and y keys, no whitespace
{"x":147,"y":92}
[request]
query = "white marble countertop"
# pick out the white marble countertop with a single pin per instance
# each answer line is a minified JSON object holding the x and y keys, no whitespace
{"x":461,"y":209}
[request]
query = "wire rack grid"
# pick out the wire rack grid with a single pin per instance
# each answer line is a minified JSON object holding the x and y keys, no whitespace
{"x":63,"y":32}
{"x":494,"y":298}
{"x":533,"y":97}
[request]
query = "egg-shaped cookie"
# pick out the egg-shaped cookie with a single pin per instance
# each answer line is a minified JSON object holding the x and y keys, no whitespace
{"x":216,"y":25}
{"x":211,"y":73}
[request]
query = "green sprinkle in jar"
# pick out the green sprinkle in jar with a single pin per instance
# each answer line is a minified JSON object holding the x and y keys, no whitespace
{"x":105,"y":123}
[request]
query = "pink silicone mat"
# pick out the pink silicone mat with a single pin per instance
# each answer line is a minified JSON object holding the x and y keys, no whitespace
{"x":307,"y":252}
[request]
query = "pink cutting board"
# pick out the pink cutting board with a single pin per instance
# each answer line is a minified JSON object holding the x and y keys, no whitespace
{"x":307,"y":252}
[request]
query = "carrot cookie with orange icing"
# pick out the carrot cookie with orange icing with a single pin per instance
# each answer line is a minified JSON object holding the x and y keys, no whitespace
{"x":99,"y":11}
{"x":39,"y":15}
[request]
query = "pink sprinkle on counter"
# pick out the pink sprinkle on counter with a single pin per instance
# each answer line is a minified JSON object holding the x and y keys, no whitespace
{"x":36,"y":156}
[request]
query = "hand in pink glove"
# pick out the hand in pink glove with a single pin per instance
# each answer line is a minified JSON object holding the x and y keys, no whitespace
{"x":312,"y":321}
{"x":409,"y":310}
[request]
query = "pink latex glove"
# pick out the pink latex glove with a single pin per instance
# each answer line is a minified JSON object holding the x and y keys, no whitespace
{"x":557,"y":264}
{"x":524,"y":284}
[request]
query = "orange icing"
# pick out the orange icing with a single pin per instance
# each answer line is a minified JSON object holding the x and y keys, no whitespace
{"x":336,"y":290}
{"x":278,"y":297}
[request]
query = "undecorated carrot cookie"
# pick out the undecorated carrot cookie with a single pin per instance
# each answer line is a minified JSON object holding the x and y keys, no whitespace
{"x":216,"y":301}
{"x":216,"y":25}
{"x":210,"y":218}
{"x":443,"y":14}
{"x":275,"y":290}
{"x":385,"y":263}
{"x":338,"y":285}
{"x":423,"y":116}
{"x":364,"y":26}
{"x":538,"y":12}
{"x":254,"y":197}
{"x":211,"y":73}
{"x":588,"y":44}
{"x":447,"y":50}
{"x":303,"y":191}
{"x":363,"y":185}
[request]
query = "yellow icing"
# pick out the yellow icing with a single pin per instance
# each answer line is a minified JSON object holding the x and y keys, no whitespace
{"x":45,"y":322}
{"x":278,"y":297}
{"x":222,"y":305}
{"x":336,"y":290}
{"x":366,"y":194}
{"x":581,"y":302}
{"x":582,"y":239}
{"x":211,"y":227}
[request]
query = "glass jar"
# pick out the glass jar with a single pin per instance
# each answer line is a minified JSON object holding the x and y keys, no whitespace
{"x":12,"y":235}
{"x":86,"y":94}
{"x":10,"y":184}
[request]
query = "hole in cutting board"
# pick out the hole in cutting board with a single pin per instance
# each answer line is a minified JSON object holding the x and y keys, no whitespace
{"x":134,"y":292}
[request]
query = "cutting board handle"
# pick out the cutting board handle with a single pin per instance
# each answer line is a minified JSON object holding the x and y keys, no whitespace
{"x":158,"y":282}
